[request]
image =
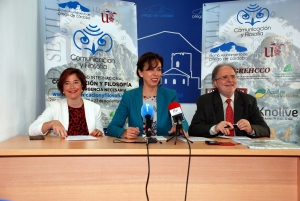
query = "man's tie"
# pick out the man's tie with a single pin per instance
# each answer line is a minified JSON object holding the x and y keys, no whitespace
{"x":229,"y":115}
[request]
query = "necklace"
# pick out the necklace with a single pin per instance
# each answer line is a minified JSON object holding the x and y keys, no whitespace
{"x":149,"y":93}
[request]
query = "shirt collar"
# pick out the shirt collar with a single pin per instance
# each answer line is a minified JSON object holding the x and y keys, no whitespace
{"x":224,"y":98}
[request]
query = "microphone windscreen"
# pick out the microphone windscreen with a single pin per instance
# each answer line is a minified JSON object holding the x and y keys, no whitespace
{"x":173,"y":105}
{"x":174,"y":108}
{"x":147,"y":109}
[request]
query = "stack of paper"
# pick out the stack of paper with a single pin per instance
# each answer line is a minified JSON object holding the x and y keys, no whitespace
{"x":81,"y":137}
{"x":195,"y":139}
{"x":238,"y":139}
{"x":270,"y":144}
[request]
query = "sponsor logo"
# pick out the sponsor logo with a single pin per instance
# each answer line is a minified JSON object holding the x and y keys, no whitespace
{"x":280,"y":113}
{"x":73,"y":9}
{"x":74,"y":5}
{"x":276,"y":46}
{"x":175,"y":111}
{"x":93,"y":39}
{"x":287,"y":68}
{"x":260,"y":93}
{"x":197,"y":13}
{"x":108,"y":17}
{"x":228,"y":52}
{"x":110,"y":14}
{"x":253,"y":14}
{"x":253,"y":31}
{"x":228,"y":47}
{"x":157,"y":11}
{"x":253,"y":70}
{"x":277,"y":93}
{"x":287,"y":76}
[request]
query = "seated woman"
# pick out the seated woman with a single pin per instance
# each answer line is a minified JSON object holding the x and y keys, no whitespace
{"x":149,"y":69}
{"x":71,"y":115}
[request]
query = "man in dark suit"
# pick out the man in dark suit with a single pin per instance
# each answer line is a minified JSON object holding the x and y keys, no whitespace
{"x":210,"y":117}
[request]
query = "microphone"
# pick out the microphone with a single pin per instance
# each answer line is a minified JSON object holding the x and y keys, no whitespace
{"x":176,"y":113}
{"x":147,"y":114}
{"x":177,"y":118}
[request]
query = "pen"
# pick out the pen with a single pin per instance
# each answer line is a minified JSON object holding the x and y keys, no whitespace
{"x":229,"y":126}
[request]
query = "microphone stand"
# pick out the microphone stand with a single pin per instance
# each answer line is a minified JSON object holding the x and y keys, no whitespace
{"x":149,"y":139}
{"x":182,"y":135}
{"x":177,"y":132}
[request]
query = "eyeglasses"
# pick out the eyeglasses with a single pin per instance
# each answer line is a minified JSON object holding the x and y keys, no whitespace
{"x":226,"y":77}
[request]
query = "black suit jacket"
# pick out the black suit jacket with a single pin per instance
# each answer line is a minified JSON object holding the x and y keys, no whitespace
{"x":210,"y":112}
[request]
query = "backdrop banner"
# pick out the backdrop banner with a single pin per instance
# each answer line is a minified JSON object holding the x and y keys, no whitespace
{"x":262,"y":40}
{"x":172,"y":30}
{"x":97,"y":36}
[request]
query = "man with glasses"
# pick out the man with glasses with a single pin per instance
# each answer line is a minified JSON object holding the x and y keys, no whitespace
{"x":227,"y":111}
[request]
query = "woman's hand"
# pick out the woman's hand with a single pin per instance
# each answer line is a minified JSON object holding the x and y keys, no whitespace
{"x":58,"y":128}
{"x":173,"y":130}
{"x":131,"y":133}
{"x":97,"y":133}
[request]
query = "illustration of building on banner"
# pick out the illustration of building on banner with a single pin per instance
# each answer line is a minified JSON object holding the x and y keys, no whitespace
{"x":181,"y":70}
{"x":175,"y":75}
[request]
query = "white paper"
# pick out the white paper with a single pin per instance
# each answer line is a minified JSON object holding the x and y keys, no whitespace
{"x":160,"y":138}
{"x":80,"y":137}
{"x":196,"y":139}
{"x":234,"y":137}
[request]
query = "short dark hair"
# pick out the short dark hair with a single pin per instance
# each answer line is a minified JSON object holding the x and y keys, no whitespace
{"x":148,"y":57}
{"x":217,"y":67}
{"x":66,"y":73}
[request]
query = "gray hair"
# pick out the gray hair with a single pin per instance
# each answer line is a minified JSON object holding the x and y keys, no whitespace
{"x":216,"y":69}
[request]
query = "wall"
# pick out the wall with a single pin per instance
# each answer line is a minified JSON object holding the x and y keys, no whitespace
{"x":21,"y":67}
